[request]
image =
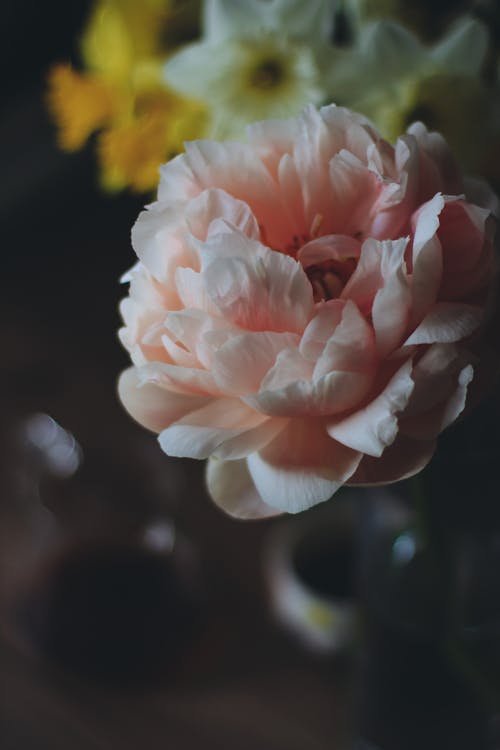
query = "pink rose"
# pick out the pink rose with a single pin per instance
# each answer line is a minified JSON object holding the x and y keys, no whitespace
{"x":305,"y":307}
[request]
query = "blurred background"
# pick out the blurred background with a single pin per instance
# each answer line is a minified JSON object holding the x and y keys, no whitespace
{"x":132,"y":611}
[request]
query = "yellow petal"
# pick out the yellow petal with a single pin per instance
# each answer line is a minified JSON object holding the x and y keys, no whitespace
{"x":120,"y":32}
{"x":79,"y":103}
{"x":131,"y":152}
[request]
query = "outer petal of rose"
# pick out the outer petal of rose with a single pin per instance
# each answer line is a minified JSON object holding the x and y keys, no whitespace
{"x":267,"y":292}
{"x":232,"y":489}
{"x":462,"y":235}
{"x":435,"y":376}
{"x":347,"y":130}
{"x":188,"y":380}
{"x":445,"y":323}
{"x":404,"y":458}
{"x":301,"y":467}
{"x":319,"y":141}
{"x":427,"y":259}
{"x":225,"y":428}
{"x":438,"y":170}
{"x":397,"y":199}
{"x":214,"y":203}
{"x":227,"y":244}
{"x":478,"y":191}
{"x":373,"y":428}
{"x":177,"y":180}
{"x":158,"y":240}
{"x":350,"y":348}
{"x":152,"y":405}
{"x":432,"y":423}
{"x":333,"y":393}
{"x":236,"y":168}
{"x":242,"y":361}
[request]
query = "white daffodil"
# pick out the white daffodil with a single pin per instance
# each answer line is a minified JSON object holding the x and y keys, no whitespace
{"x":394,"y":79}
{"x":257,"y":60}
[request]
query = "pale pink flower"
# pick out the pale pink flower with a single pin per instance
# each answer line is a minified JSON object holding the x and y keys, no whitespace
{"x":304,"y":307}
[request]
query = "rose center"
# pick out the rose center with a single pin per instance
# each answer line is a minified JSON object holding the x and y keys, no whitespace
{"x":329,"y":278}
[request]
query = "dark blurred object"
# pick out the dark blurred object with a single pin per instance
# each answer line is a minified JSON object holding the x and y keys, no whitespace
{"x":311,"y":567}
{"x":102,"y":595}
{"x":113,"y":611}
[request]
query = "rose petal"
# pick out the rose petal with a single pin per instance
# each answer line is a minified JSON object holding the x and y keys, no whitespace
{"x":232,"y":489}
{"x":445,"y":323}
{"x":404,"y":458}
{"x":152,"y":405}
{"x":268,"y":291}
{"x":427,"y":260}
{"x":392,"y":304}
{"x":375,"y":426}
{"x":225,"y":428}
{"x":301,"y":467}
{"x":214,"y":202}
{"x":241,"y":362}
{"x":433,"y":422}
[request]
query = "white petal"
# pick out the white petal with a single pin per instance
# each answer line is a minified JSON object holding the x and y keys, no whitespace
{"x":192,"y":71}
{"x":224,"y":19}
{"x":463,"y":50}
{"x":390,"y":50}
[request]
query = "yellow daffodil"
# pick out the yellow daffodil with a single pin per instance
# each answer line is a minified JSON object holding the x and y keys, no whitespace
{"x":120,"y":33}
{"x":131,"y":152}
{"x":394,"y":79}
{"x":121,"y":93}
{"x":80,"y":103}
